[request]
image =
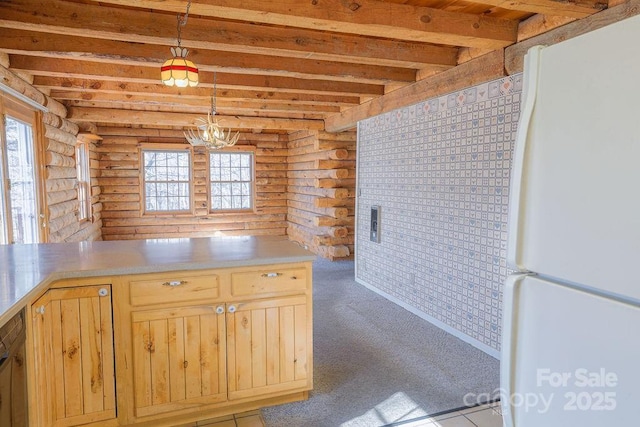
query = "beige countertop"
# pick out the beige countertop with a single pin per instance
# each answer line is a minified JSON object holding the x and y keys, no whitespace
{"x":26,"y":269}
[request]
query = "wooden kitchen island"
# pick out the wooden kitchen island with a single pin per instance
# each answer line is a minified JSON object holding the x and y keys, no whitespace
{"x":160,"y":332}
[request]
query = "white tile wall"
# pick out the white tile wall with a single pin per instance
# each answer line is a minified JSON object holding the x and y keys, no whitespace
{"x":440,"y":172}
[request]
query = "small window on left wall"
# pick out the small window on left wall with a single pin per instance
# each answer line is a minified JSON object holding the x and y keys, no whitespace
{"x":84,"y":180}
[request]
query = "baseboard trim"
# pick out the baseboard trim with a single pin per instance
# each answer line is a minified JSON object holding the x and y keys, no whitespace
{"x":464,"y":337}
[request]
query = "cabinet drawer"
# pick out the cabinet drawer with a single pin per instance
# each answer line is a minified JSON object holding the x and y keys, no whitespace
{"x":178,"y":288}
{"x":268,"y":281}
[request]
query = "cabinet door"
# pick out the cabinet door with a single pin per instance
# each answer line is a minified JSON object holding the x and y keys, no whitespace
{"x":74,"y":365}
{"x":178,"y":358}
{"x":13,"y":391}
{"x":269,"y":347}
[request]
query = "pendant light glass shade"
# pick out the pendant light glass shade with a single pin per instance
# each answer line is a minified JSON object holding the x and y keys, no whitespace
{"x":178,"y":70}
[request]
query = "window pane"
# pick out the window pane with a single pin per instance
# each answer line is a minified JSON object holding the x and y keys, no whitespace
{"x":216,"y":203}
{"x":172,"y":160}
{"x":162,"y":203}
{"x":225,"y":174}
{"x":4,"y":230}
{"x":183,"y":189}
{"x":245,"y":174}
{"x":22,"y":184}
{"x":84,"y":181}
{"x":226,"y":202}
{"x":150,"y":190}
{"x":184,"y":203}
{"x":245,"y":161}
{"x":231,"y":177}
{"x":183,"y":173}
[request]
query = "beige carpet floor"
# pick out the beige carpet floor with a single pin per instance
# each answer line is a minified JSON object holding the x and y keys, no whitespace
{"x":376,"y":364}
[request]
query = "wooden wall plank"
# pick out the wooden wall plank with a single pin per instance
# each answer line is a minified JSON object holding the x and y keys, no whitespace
{"x":59,"y":138}
{"x":318,"y":216}
{"x":121,"y":192}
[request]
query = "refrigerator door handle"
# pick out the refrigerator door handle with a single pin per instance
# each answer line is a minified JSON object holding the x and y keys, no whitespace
{"x":509,"y":320}
{"x":531,"y":63}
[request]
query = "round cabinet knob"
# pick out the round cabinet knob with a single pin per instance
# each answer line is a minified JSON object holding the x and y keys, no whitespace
{"x":232,"y":309}
{"x":40,"y":310}
{"x":220,"y":309}
{"x":103,"y":292}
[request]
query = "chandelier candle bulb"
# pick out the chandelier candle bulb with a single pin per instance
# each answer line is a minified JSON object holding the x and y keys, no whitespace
{"x":208,"y":132}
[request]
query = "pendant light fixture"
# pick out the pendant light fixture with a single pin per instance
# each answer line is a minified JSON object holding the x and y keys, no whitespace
{"x":178,"y":70}
{"x":208,"y":132}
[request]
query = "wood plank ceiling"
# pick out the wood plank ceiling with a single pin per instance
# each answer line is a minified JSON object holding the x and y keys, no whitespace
{"x":279,"y":65}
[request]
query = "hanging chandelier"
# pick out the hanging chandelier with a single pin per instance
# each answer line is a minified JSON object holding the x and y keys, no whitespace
{"x":208,"y":132}
{"x":178,"y":70}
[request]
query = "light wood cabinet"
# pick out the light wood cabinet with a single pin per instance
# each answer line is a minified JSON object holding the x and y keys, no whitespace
{"x":211,"y":340}
{"x":268,"y":347}
{"x":173,"y":347}
{"x":13,"y":390}
{"x":162,"y":288}
{"x":178,"y":358}
{"x":74,"y":356}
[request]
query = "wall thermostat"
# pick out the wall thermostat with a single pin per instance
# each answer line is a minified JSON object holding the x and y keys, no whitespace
{"x":374,"y":231}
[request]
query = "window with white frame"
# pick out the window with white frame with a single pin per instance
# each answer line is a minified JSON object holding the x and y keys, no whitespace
{"x":21,"y":200}
{"x":166,"y":180}
{"x":84,"y":180}
{"x":231,"y":181}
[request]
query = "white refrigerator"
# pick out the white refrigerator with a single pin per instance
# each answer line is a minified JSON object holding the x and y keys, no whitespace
{"x":571,"y":320}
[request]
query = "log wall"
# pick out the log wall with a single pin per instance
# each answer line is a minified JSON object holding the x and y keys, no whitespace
{"x":60,"y":179}
{"x":305,"y":185}
{"x":321,"y":192}
{"x":121,"y":195}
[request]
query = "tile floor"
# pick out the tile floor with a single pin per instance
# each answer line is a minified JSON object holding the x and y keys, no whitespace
{"x":246,"y":419}
{"x":479,"y":416}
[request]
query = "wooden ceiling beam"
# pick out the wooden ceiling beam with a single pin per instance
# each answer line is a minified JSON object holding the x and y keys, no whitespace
{"x":54,"y":67}
{"x":154,"y":118}
{"x":361,"y":17}
{"x":143,"y":26}
{"x":572,"y":9}
{"x":117,"y":52}
{"x":514,"y":56}
{"x":126,"y":89}
{"x":274,"y":111}
{"x":153,"y":133}
{"x":475,"y":71}
{"x":161,"y":103}
{"x":74,"y":98}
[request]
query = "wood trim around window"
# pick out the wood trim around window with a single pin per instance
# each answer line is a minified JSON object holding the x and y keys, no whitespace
{"x":20,"y":111}
{"x":236,"y":149}
{"x":166,"y":147}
